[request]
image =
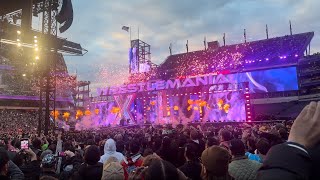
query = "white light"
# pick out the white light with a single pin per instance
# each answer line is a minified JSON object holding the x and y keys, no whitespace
{"x":35,"y":41}
{"x":19,"y":44}
{"x":37,"y":57}
{"x":18,"y":40}
{"x":36,"y":49}
{"x":19,"y":32}
{"x":24,"y":75}
{"x":35,"y":37}
{"x":36,"y":45}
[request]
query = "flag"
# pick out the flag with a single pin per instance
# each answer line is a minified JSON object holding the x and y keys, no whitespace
{"x":187,"y":46}
{"x":125,"y":28}
{"x":290,"y":28}
{"x":65,"y":16}
{"x":267,"y":32}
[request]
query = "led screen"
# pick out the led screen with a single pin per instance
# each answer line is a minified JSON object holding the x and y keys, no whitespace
{"x":283,"y":79}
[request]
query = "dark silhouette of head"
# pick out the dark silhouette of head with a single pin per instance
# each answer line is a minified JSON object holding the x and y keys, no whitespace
{"x":237,"y":147}
{"x":161,"y":170}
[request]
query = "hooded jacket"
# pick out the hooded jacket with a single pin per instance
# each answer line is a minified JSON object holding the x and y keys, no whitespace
{"x":110,"y":150}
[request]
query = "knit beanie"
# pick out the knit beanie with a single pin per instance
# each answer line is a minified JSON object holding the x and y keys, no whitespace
{"x":216,"y":160}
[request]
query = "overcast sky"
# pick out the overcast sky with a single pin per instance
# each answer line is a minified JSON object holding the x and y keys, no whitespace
{"x":97,"y":27}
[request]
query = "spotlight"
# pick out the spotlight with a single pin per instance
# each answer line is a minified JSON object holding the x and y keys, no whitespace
{"x":18,"y":40}
{"x":24,"y":75}
{"x":35,"y":41}
{"x":35,"y":37}
{"x":18,"y":32}
{"x":37,"y":57}
{"x":36,"y":49}
{"x":19,"y":44}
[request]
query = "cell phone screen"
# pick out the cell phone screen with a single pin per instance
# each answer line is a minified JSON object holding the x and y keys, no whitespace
{"x":24,"y":144}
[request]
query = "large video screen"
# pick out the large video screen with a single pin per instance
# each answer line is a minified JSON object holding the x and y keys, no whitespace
{"x":227,"y":106}
{"x":273,"y":80}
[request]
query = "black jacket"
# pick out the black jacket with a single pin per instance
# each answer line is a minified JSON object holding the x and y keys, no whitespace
{"x":73,"y":163}
{"x":192,"y":170}
{"x":285,"y":162}
{"x":315,"y":157}
{"x":90,"y":172}
{"x":200,"y":146}
{"x":31,"y":170}
{"x":4,"y":177}
{"x":52,"y":173}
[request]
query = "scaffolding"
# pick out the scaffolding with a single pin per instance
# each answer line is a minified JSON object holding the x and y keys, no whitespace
{"x":83,"y":95}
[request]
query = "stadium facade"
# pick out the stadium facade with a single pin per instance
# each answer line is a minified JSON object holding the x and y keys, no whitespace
{"x":260,"y":80}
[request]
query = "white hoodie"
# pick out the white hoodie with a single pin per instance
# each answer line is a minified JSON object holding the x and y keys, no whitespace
{"x":110,"y":150}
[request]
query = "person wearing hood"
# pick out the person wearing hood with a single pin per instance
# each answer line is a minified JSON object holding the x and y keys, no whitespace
{"x":110,"y":151}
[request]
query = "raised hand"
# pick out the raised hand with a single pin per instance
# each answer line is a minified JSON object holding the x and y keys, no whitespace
{"x":306,"y":128}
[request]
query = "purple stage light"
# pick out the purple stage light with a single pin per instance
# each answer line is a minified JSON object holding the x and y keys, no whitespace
{"x":296,"y":55}
{"x":31,"y":98}
{"x":284,"y":57}
{"x":267,"y":59}
{"x":281,"y":57}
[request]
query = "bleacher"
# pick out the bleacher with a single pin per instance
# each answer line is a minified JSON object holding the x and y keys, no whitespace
{"x":309,"y":74}
{"x":268,"y":53}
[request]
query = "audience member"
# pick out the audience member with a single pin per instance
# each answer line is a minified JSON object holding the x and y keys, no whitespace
{"x":110,"y":150}
{"x":241,"y":167}
{"x":4,"y":165}
{"x":215,"y":162}
{"x":192,"y":166}
{"x":133,"y":160}
{"x":91,"y":168}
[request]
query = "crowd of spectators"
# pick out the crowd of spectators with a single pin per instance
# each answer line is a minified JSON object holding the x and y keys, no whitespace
{"x":15,"y":121}
{"x":243,"y":151}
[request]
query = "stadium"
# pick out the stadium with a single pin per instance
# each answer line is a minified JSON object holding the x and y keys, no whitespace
{"x":269,"y":79}
{"x":239,"y":111}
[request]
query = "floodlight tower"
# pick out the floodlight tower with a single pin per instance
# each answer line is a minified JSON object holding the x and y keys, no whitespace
{"x":52,"y":46}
